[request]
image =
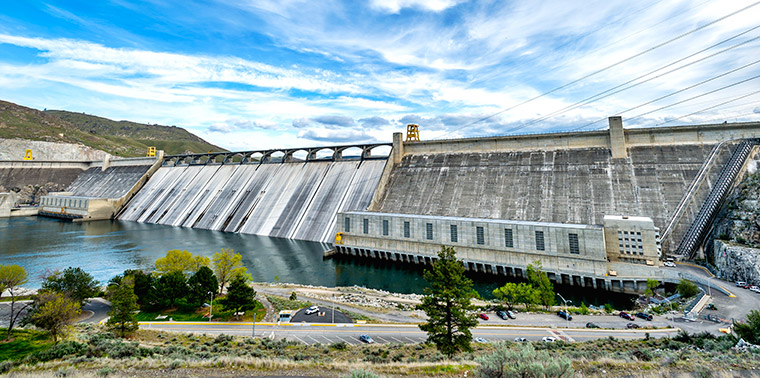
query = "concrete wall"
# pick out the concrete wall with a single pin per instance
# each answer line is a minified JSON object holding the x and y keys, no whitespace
{"x":14,"y":149}
{"x":556,"y":185}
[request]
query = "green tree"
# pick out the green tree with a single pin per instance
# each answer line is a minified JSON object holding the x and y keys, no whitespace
{"x":11,"y":279}
{"x":55,"y":314}
{"x":200,"y":284}
{"x":540,"y":281}
{"x":651,"y":286}
{"x":513,"y":293}
{"x":522,"y":361}
{"x":183,"y":261}
{"x":122,"y":318}
{"x":143,"y":286}
{"x":74,"y":283}
{"x":227,"y":265}
{"x":687,"y":288}
{"x":172,"y":286}
{"x":240,"y":295}
{"x":447,"y":304}
{"x":749,"y":330}
{"x":526,"y":294}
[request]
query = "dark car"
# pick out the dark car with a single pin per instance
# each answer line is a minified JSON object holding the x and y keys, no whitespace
{"x":591,"y":325}
{"x":626,"y":315}
{"x":632,"y":325}
{"x":483,"y":316}
{"x":564,"y":315}
{"x":502,"y":315}
{"x":644,"y":316}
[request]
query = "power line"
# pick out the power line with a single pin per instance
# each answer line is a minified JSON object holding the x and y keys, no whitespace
{"x":608,"y":67}
{"x":711,"y":107}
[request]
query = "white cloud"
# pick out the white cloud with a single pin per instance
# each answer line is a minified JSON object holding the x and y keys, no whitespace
{"x":394,"y":6}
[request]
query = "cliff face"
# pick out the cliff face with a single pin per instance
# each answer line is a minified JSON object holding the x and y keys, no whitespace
{"x":736,"y":248}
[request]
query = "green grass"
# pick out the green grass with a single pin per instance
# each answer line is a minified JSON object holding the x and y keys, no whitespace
{"x":23,"y":342}
{"x":196,"y":315}
{"x":280,"y":303}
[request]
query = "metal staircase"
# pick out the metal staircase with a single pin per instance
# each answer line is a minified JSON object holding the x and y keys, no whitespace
{"x":694,"y":237}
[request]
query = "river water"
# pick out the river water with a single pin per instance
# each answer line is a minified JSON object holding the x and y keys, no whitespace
{"x":107,"y":248}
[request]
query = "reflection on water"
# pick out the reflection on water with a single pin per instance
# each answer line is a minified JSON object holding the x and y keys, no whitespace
{"x":107,"y":248}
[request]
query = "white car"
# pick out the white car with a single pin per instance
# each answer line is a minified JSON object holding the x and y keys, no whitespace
{"x":521,"y":339}
{"x":312,"y":310}
{"x":480,"y":340}
{"x":755,"y":289}
{"x":669,"y":264}
{"x":549,"y":339}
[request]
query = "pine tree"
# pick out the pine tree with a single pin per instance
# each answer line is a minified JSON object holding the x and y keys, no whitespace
{"x":122,"y":317}
{"x":447,"y":304}
{"x":200,"y":284}
{"x":240,"y":295}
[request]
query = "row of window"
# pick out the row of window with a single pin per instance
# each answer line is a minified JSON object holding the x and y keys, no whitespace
{"x":64,"y":202}
{"x":480,"y":239}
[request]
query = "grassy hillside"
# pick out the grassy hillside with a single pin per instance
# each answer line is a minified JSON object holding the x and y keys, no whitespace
{"x":117,"y":138}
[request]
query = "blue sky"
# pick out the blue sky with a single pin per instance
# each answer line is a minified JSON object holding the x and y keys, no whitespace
{"x":251,"y":74}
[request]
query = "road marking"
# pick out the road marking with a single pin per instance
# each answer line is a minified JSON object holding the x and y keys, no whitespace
{"x":411,"y":340}
{"x":299,"y":339}
{"x":396,"y":339}
{"x":384,"y":341}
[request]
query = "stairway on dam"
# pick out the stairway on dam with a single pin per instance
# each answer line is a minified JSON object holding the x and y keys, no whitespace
{"x":297,"y":200}
{"x":564,"y":186}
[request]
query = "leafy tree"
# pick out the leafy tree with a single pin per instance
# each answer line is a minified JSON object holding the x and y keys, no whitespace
{"x":651,"y":286}
{"x":172,"y":286}
{"x":687,"y":288}
{"x":11,"y":278}
{"x":122,"y":317}
{"x":183,"y":261}
{"x":240,"y":295}
{"x":227,"y":265}
{"x":522,"y":361}
{"x":526,"y":294}
{"x":749,"y":330}
{"x":513,"y":293}
{"x":540,"y":281}
{"x":74,"y":283}
{"x":200,"y":284}
{"x":143,"y":286}
{"x":447,"y":304}
{"x":56,"y":312}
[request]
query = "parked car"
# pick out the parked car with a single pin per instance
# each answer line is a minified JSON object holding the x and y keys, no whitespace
{"x":549,"y":339}
{"x":740,"y":283}
{"x":483,"y":316}
{"x":644,"y":316}
{"x":669,"y":264}
{"x":480,"y":340}
{"x":511,"y":315}
{"x":502,"y":315}
{"x":521,"y":339}
{"x":632,"y":325}
{"x":626,"y":315}
{"x":312,"y":310}
{"x":366,"y":339}
{"x":564,"y":315}
{"x":591,"y":325}
{"x":755,"y":289}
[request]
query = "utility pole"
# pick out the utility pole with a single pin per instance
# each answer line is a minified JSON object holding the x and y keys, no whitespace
{"x":211,"y":305}
{"x":333,"y":311}
{"x":253,"y":328}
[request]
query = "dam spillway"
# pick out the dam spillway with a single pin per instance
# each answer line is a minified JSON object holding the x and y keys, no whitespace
{"x":296,"y":200}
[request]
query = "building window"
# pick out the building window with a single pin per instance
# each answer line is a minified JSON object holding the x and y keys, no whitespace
{"x":365,"y":225}
{"x":385,"y":227}
{"x":480,"y":234}
{"x":454,"y":236}
{"x":406,"y":230}
{"x":348,"y":225}
{"x":573,"y":241}
{"x":508,"y":241}
{"x":429,"y":231}
{"x":540,"y":246}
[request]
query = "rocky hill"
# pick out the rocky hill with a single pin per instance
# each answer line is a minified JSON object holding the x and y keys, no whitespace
{"x":120,"y":138}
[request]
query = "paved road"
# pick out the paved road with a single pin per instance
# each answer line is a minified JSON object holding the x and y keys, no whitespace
{"x":383,"y":334}
{"x":325,"y":314}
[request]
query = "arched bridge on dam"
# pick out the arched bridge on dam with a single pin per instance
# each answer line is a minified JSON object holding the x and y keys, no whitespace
{"x":282,"y":155}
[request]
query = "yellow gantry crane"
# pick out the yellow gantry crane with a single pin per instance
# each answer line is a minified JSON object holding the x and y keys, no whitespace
{"x":28,"y":155}
{"x":151,"y":151}
{"x":412,"y":133}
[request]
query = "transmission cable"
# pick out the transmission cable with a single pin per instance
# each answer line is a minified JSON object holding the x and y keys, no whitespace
{"x":608,"y":67}
{"x":711,"y":107}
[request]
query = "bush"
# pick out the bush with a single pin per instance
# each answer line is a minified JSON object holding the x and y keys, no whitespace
{"x":361,"y":373}
{"x":521,"y":362}
{"x":687,"y":288}
{"x":608,"y":308}
{"x":341,"y":345}
{"x":67,"y":348}
{"x":293,"y":296}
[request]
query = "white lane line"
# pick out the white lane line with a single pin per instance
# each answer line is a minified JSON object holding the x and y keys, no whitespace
{"x":411,"y":340}
{"x":397,"y":340}
{"x":384,"y":341}
{"x":315,"y":340}
{"x":329,"y":341}
{"x":299,"y":339}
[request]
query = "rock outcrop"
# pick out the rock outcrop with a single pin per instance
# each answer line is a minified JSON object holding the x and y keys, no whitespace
{"x":737,"y":263}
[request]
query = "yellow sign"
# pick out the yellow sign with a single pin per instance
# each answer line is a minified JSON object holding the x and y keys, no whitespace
{"x":28,"y":155}
{"x":151,"y":151}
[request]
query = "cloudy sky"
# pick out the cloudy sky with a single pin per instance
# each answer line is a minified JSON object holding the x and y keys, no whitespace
{"x":249,"y":74}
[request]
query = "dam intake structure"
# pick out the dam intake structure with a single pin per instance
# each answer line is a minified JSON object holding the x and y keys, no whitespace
{"x":260,"y":195}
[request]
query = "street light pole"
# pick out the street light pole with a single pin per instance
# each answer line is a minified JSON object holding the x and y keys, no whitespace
{"x":211,"y":305}
{"x":253,"y":328}
{"x":333,"y":311}
{"x":567,"y":314}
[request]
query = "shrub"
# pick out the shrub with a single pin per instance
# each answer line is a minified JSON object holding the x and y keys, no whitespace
{"x":521,"y":362}
{"x":293,"y":296}
{"x":67,"y":348}
{"x":608,"y":308}
{"x":361,"y":373}
{"x":341,"y":345}
{"x":104,"y":372}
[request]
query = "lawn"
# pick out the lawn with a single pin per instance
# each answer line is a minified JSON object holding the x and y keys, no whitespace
{"x":198,"y":314}
{"x":23,"y":342}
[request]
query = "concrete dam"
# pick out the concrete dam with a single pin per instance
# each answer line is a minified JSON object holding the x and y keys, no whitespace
{"x":296,"y":200}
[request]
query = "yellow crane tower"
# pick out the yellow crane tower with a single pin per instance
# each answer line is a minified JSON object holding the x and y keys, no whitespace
{"x":412,"y":132}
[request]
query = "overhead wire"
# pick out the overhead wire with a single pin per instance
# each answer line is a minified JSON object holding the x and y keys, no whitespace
{"x":665,"y":43}
{"x":711,"y":107}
